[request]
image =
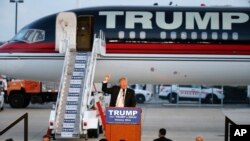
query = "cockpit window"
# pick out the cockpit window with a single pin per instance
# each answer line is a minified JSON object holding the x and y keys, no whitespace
{"x":30,"y":35}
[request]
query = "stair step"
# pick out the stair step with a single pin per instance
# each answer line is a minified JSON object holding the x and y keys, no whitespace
{"x":68,"y":117}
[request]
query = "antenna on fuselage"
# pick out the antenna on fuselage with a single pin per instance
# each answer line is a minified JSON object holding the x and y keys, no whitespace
{"x":155,"y":4}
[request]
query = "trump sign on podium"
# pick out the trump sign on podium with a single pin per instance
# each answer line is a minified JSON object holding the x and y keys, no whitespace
{"x":123,"y":124}
{"x":123,"y":115}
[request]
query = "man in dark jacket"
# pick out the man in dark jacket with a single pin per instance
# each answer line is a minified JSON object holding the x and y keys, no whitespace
{"x":162,"y":134}
{"x":121,"y":96}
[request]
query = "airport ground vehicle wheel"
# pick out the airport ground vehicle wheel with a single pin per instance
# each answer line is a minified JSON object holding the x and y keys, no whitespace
{"x":1,"y":109}
{"x":140,"y":98}
{"x":26,"y":100}
{"x":212,"y":99}
{"x":93,"y":133}
{"x":16,"y":100}
{"x":173,"y":98}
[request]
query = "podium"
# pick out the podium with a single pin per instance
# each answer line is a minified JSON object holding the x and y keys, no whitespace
{"x":123,"y":124}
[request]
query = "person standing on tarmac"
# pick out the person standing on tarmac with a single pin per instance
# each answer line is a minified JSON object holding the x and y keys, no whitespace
{"x":162,"y":134}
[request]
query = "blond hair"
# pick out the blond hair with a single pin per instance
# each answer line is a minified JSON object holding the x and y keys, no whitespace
{"x":123,"y":78}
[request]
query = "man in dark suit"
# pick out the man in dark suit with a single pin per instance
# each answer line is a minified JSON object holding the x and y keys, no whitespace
{"x":121,"y":96}
{"x":162,"y":134}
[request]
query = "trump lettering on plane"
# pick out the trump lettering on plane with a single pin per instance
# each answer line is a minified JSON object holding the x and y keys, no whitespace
{"x":145,"y":19}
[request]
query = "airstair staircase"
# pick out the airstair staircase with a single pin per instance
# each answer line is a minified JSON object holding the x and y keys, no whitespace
{"x":75,"y":88}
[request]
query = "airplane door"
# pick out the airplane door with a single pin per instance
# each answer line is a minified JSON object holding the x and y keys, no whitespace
{"x":66,"y":23}
{"x":84,"y":33}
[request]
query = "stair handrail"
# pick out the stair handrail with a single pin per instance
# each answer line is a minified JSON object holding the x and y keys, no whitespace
{"x":93,"y":63}
{"x":97,"y":42}
{"x":89,"y":76}
{"x":101,"y":49}
{"x":102,"y":38}
{"x":61,"y":83}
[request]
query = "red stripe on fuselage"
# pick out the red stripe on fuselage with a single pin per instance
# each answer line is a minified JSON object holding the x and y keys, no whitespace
{"x":21,"y":47}
{"x":173,"y":48}
{"x":137,"y":48}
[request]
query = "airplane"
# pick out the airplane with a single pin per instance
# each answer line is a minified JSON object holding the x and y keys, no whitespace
{"x":147,"y":44}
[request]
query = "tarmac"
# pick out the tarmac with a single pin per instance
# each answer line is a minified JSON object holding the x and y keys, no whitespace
{"x":183,"y":122}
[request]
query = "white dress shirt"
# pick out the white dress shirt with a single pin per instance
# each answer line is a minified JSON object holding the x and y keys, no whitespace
{"x":121,"y":98}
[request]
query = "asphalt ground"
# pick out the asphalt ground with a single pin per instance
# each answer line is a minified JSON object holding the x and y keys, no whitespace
{"x":183,"y":122}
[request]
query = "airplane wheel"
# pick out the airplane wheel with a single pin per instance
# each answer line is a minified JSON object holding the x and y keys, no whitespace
{"x":17,"y":100}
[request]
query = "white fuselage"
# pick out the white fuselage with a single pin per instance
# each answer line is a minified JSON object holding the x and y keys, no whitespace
{"x":158,"y":69}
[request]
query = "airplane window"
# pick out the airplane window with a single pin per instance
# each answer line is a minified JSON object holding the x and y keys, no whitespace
{"x":142,"y":34}
{"x":194,"y":35}
{"x":204,"y":35}
{"x":121,"y":34}
{"x":27,"y":35}
{"x":235,"y":36}
{"x":183,"y":35}
{"x":132,"y":35}
{"x":39,"y":36}
{"x":173,"y":35}
{"x":163,"y":35}
{"x":214,"y":35}
{"x":30,"y":35}
{"x":224,"y":36}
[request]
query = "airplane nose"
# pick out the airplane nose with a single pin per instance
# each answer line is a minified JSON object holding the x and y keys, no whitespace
{"x":4,"y":48}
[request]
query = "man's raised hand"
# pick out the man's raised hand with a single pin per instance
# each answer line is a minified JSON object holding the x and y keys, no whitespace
{"x":107,"y":77}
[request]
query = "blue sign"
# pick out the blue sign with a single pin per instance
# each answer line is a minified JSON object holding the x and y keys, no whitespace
{"x":123,"y":115}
